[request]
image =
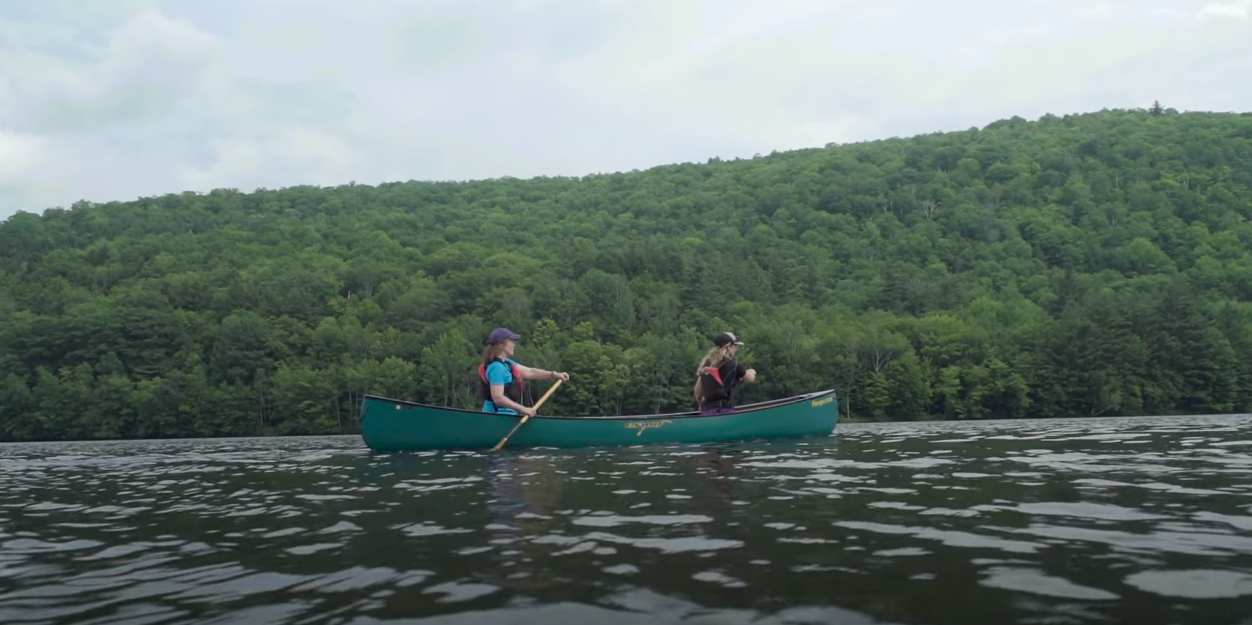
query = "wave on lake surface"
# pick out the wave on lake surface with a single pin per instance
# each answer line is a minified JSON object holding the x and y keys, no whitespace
{"x":1145,"y":520}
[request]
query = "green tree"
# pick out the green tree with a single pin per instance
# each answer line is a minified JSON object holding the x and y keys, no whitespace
{"x":1077,"y":265}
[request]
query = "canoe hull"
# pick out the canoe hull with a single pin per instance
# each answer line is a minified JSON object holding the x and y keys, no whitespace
{"x":395,"y":425}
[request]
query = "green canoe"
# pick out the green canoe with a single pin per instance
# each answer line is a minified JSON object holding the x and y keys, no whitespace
{"x":396,"y":425}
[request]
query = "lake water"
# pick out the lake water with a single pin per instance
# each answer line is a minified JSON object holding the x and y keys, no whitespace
{"x":1086,"y":521}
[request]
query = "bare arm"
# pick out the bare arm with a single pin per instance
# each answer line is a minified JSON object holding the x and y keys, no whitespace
{"x":498,"y":398}
{"x":530,"y":373}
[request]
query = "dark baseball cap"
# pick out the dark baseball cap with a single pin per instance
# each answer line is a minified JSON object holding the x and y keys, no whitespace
{"x":500,"y":334}
{"x":726,"y":338}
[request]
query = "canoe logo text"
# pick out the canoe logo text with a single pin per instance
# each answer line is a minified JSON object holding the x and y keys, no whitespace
{"x":822,"y":402}
{"x":644,"y":425}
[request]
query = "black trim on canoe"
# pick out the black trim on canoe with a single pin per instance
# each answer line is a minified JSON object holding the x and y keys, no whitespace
{"x":775,"y":403}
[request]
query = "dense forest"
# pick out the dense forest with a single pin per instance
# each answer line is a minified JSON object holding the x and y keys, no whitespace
{"x":1085,"y":265}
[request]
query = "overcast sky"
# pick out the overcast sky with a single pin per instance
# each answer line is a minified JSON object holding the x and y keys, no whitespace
{"x":117,"y":99}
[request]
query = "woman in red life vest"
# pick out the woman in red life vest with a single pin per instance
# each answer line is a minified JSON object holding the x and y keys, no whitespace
{"x":719,"y":376}
{"x":500,"y":377}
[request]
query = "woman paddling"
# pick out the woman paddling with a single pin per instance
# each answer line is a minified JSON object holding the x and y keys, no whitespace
{"x":501,"y":377}
{"x":719,"y":376}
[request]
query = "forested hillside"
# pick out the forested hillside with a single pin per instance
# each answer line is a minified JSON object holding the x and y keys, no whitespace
{"x":1084,"y":265}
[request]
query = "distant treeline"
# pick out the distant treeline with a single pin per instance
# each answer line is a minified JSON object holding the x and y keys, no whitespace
{"x":1096,"y":264}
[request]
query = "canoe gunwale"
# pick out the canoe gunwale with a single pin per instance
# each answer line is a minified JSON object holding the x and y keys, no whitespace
{"x":747,"y":408}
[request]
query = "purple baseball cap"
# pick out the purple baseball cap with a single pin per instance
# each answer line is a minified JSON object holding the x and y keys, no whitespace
{"x":500,"y":334}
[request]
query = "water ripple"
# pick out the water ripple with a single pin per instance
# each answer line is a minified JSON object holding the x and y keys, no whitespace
{"x":1073,"y":521}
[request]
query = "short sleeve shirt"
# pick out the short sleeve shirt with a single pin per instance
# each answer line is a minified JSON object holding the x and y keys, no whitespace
{"x":732,"y":370}
{"x":499,"y":373}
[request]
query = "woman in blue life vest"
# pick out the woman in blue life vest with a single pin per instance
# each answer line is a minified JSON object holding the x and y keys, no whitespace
{"x":500,"y":377}
{"x":719,"y":376}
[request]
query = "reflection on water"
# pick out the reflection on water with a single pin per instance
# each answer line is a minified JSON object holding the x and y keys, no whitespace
{"x":1100,"y":521}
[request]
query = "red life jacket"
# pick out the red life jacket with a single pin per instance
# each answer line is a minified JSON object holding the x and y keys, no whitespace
{"x":715,"y":390}
{"x":512,"y":390}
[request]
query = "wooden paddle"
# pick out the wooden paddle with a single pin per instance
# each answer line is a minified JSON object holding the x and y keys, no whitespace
{"x":526,"y":418}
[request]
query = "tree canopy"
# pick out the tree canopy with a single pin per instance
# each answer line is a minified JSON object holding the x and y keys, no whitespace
{"x":1084,"y":265}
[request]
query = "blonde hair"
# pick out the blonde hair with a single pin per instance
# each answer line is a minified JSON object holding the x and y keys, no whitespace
{"x":715,"y":357}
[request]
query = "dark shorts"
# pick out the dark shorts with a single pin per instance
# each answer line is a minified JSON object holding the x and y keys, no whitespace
{"x":712,"y":411}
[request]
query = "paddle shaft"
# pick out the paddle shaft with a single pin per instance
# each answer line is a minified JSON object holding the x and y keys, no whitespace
{"x":526,"y":418}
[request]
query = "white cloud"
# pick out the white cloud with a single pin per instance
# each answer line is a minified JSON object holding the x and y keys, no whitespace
{"x":1241,"y":9}
{"x":119,"y":99}
{"x":1097,"y":11}
{"x":1195,"y":10}
{"x":18,"y":155}
{"x":148,"y":64}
